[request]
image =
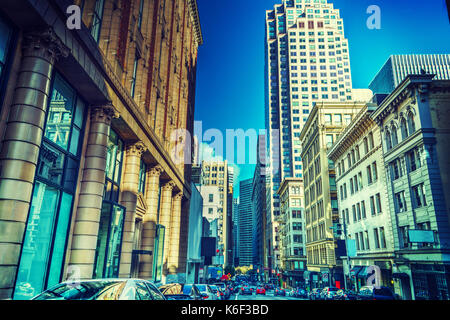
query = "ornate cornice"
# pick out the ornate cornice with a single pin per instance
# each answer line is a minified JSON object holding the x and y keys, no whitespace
{"x":193,"y":9}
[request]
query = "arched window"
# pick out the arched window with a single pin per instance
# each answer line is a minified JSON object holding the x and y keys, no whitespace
{"x":353,"y":157}
{"x":411,"y":123}
{"x":394,"y":136}
{"x":388,"y":140}
{"x":403,"y":128}
{"x":358,"y":156}
{"x":366,"y":146}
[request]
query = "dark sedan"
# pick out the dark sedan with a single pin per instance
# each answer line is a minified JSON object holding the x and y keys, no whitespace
{"x":178,"y":291}
{"x":280,"y":292}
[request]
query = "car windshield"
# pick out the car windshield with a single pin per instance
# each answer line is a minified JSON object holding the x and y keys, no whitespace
{"x":333,"y":289}
{"x":95,"y":290}
{"x":187,"y":289}
{"x":201,"y":287}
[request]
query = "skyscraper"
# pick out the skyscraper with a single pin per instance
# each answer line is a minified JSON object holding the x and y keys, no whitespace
{"x":245,"y":222}
{"x":397,"y":67}
{"x":307,"y":60}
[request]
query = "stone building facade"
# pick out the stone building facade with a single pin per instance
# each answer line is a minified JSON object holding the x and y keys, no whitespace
{"x":363,"y":201}
{"x":292,"y":232}
{"x":325,"y":123}
{"x":91,"y":184}
{"x":414,"y":121}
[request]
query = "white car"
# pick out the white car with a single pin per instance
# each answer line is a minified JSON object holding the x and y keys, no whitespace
{"x":206,"y":289}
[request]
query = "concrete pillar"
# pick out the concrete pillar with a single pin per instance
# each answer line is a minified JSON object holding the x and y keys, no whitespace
{"x":130,"y":187}
{"x":21,"y":143}
{"x":149,"y":222}
{"x":174,"y":235}
{"x":84,"y":240}
{"x":165,"y":216}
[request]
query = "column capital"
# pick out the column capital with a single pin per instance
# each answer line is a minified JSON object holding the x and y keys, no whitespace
{"x":136,"y":149}
{"x":156,"y":170}
{"x":103,"y":113}
{"x":45,"y":43}
{"x":178,"y":196}
{"x":168,"y":186}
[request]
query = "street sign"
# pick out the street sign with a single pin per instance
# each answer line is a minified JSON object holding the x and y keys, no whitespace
{"x":324,"y":276}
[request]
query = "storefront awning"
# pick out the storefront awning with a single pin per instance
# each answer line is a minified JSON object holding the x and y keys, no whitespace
{"x":362,"y":273}
{"x":354,"y":270}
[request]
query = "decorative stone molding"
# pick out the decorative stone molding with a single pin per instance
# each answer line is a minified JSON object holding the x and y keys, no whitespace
{"x":168,"y":186}
{"x":136,"y":149}
{"x":178,"y":196}
{"x":103,"y":113}
{"x":44,"y":42}
{"x":156,"y":171}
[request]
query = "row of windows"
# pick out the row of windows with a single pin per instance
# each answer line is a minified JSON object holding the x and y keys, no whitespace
{"x":418,"y":198}
{"x":409,"y":163}
{"x":363,"y":239}
{"x":407,"y":128}
{"x":359,"y":209}
{"x":354,"y":155}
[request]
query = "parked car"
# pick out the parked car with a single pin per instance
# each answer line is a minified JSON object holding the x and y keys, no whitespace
{"x":246,"y":290}
{"x":375,"y":293}
{"x":206,"y":290}
{"x":172,"y":291}
{"x":269,"y":286}
{"x":102,"y":289}
{"x":261,"y":290}
{"x":280,"y":292}
{"x":300,"y":293}
{"x":314,"y":294}
{"x":345,"y":295}
{"x":328,"y":293}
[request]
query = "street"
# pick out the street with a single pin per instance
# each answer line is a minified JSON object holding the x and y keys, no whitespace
{"x":268,"y":296}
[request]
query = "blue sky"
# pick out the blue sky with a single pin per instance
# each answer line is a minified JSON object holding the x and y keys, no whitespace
{"x":230,"y":72}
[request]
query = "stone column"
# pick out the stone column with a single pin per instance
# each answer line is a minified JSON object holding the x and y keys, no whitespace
{"x":174,"y":242}
{"x":149,"y":222}
{"x":165,"y":217}
{"x":21,"y":143}
{"x":130,"y":188}
{"x":84,"y":240}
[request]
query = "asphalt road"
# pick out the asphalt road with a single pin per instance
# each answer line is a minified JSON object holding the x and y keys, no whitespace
{"x":268,"y":296}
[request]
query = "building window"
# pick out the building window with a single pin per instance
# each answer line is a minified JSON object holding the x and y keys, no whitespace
{"x":6,"y":39}
{"x":142,"y":177}
{"x":404,"y":239}
{"x":141,"y":12}
{"x":44,"y":247}
{"x":133,"y":78}
{"x":403,"y":128}
{"x":414,"y":160}
{"x":418,"y":195}
{"x":400,"y":202}
{"x":382,"y":238}
{"x":97,"y":19}
{"x":376,"y":238}
{"x":108,"y":250}
{"x":411,"y":123}
{"x":396,"y":169}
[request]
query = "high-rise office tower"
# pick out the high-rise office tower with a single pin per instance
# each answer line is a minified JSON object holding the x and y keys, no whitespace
{"x":397,"y":67}
{"x":307,"y":61}
{"x":245,"y":222}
